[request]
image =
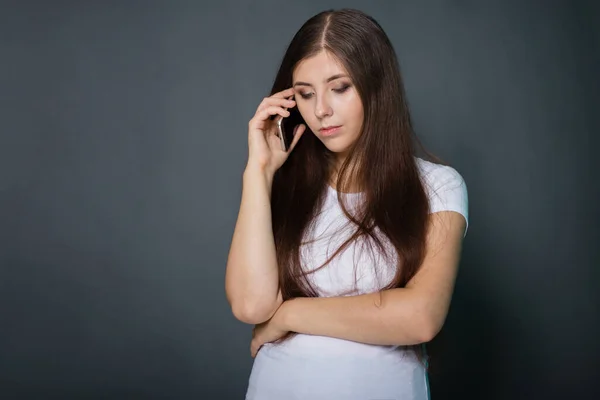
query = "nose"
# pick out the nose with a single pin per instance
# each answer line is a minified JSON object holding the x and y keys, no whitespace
{"x":322,"y":108}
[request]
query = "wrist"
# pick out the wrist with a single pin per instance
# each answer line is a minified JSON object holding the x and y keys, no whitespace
{"x":287,"y":314}
{"x":253,"y":172}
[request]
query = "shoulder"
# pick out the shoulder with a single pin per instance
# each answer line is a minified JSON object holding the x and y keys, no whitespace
{"x":440,"y":177}
{"x":445,"y":188}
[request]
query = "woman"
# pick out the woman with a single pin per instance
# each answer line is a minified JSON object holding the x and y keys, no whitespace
{"x":347,"y":245}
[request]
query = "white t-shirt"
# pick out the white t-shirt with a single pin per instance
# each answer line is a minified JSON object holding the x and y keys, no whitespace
{"x":308,"y":367}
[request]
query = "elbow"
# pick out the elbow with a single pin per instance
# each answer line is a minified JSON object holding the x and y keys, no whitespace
{"x":427,"y":334}
{"x":429,"y":328}
{"x":254,"y":310}
{"x":250,"y":314}
{"x":428,"y":322}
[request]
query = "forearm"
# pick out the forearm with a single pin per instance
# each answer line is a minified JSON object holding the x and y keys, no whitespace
{"x":251,"y":275}
{"x":398,"y":317}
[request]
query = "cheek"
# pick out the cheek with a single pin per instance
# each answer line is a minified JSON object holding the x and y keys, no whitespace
{"x":359,"y":116}
{"x":306,"y":115}
{"x":353,"y":111}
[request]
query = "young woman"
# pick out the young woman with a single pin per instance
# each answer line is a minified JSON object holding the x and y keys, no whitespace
{"x":347,"y":245}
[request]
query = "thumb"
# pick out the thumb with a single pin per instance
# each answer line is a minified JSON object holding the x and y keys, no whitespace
{"x":298,"y":131}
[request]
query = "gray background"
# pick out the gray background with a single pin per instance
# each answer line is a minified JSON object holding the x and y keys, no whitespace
{"x":123,"y":132}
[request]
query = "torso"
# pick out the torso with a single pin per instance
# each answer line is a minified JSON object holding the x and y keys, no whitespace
{"x":317,"y":367}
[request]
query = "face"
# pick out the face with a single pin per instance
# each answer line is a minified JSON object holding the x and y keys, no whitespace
{"x":327,"y":98}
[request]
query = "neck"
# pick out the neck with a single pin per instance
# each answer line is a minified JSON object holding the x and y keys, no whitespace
{"x":351,"y":187}
{"x":336,"y":165}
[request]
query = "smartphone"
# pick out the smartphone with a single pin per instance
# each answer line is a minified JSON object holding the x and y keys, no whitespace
{"x":286,"y":126}
{"x":285,"y":138}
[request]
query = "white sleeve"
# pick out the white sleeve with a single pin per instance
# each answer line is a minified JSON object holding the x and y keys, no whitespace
{"x":448,"y":192}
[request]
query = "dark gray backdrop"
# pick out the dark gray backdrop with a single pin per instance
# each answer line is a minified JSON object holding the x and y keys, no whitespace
{"x":123,"y":138}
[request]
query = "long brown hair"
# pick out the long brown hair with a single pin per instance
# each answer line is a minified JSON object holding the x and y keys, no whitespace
{"x":381,"y":162}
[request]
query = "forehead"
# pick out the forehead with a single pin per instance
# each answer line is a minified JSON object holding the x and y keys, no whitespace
{"x":317,"y":68}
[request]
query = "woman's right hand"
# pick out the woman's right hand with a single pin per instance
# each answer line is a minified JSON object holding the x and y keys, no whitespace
{"x":264,"y":145}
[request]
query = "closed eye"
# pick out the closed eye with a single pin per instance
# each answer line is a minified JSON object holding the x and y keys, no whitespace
{"x":342,"y":89}
{"x":337,"y":90}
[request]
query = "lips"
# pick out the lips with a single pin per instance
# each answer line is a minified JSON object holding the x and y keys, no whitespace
{"x":329,"y":130}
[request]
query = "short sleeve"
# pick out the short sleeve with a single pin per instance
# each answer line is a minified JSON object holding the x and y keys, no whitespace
{"x":447,"y":191}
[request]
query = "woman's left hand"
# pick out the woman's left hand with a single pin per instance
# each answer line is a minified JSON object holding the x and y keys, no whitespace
{"x":267,"y":332}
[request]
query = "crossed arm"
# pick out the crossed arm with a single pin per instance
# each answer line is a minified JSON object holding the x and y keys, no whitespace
{"x":404,"y":316}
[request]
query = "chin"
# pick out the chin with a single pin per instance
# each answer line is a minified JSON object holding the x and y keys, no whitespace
{"x":338,"y":149}
{"x":338,"y":144}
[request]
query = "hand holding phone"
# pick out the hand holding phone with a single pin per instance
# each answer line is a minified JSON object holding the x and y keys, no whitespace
{"x":271,"y":135}
{"x":286,"y":135}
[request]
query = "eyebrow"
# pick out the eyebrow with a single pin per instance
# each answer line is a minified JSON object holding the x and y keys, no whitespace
{"x":331,"y":78}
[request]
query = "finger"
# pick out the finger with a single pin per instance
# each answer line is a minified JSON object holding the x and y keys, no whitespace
{"x":300,"y":129}
{"x":276,"y":101}
{"x":254,"y":349}
{"x":272,"y":110}
{"x":284,"y":93}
